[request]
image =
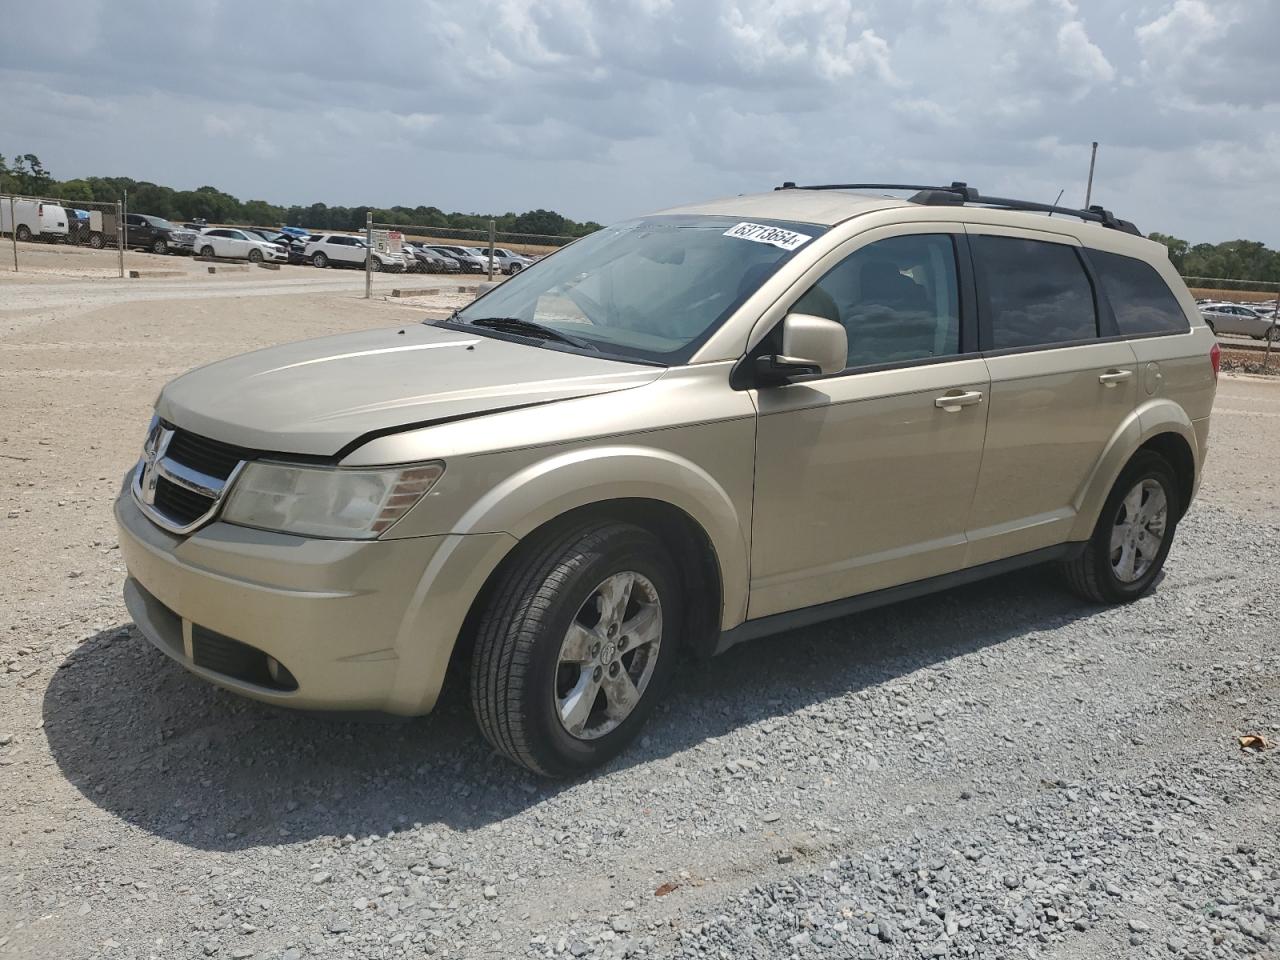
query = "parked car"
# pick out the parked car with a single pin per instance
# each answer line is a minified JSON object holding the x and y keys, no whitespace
{"x":508,"y":261}
{"x":145,"y":232}
{"x":468,"y":261}
{"x":78,"y":225}
{"x":428,"y":261}
{"x":339,"y":250}
{"x":1241,"y":320}
{"x":238,"y":244}
{"x":34,"y":219}
{"x":678,"y":433}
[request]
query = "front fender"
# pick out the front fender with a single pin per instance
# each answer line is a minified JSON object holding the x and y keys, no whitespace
{"x":1150,"y":419}
{"x":551,"y":487}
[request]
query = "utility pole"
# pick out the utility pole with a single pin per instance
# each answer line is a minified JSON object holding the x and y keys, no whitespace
{"x":1088,"y":191}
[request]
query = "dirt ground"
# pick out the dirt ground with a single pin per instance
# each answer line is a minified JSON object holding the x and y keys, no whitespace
{"x":82,"y":357}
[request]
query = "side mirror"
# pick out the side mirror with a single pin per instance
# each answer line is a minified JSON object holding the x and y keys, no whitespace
{"x":810,"y":346}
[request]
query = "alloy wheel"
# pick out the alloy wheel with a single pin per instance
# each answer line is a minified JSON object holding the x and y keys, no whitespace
{"x":1139,"y":530}
{"x":608,"y":655}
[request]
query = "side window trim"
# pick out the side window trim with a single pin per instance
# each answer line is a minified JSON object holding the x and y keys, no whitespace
{"x":1107,"y":325}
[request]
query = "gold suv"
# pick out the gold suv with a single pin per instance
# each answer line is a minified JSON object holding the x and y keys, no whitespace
{"x":680,"y":432}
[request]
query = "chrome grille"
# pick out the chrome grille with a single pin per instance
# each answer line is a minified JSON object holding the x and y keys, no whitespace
{"x":180,"y":480}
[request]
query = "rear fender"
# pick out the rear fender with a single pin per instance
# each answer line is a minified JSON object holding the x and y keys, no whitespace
{"x":1149,"y":420}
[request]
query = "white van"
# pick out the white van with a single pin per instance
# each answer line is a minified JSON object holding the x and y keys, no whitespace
{"x":35,"y":219}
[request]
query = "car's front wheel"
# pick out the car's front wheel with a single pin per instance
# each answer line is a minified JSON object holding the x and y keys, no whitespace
{"x":1133,"y":535}
{"x":206,"y":252}
{"x":160,"y":246}
{"x":575,"y":645}
{"x":255,"y":256}
{"x":319,"y":260}
{"x":375,"y":264}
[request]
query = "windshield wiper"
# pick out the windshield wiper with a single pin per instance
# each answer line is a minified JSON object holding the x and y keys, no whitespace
{"x":528,"y":328}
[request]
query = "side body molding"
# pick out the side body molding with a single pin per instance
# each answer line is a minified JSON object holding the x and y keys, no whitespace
{"x":1150,"y":419}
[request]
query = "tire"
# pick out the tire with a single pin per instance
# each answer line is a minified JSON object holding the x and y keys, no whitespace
{"x":255,"y":256}
{"x":318,"y":259}
{"x":1272,"y":334}
{"x":96,"y":242}
{"x":1096,"y":574}
{"x":160,"y":246}
{"x":515,"y":268}
{"x":24,"y":232}
{"x":375,"y":264}
{"x":521,"y":687}
{"x":206,"y":251}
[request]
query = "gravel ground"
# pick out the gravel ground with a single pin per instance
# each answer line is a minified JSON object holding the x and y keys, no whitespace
{"x":998,"y":771}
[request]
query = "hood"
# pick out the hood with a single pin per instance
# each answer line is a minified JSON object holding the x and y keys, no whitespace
{"x":318,"y":396}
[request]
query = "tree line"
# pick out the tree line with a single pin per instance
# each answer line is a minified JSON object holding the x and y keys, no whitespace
{"x":1232,"y":260}
{"x":25,"y":174}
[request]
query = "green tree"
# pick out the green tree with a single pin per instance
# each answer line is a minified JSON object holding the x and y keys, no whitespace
{"x":1177,"y":248}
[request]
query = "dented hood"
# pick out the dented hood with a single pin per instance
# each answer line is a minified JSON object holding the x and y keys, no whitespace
{"x":318,"y":396}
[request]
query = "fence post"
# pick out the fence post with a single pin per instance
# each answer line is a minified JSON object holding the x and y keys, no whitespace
{"x":13,"y":232}
{"x":368,"y":260}
{"x":492,"y":229}
{"x":1271,"y":332}
{"x":120,"y":234}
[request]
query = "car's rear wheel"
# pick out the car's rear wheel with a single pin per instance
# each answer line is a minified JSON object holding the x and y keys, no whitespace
{"x":255,"y":256}
{"x":160,"y":246}
{"x":574,"y":647}
{"x":206,"y":251}
{"x":375,"y":264}
{"x":1273,"y":334}
{"x":95,"y":241}
{"x":319,"y":260}
{"x":1133,"y":535}
{"x":24,"y":232}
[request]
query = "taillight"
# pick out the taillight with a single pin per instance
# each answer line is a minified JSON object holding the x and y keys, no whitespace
{"x":1215,"y":359}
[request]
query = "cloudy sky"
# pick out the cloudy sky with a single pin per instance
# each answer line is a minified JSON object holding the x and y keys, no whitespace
{"x":602,"y":109}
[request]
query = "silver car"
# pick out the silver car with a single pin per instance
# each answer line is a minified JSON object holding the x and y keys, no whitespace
{"x":1243,"y":321}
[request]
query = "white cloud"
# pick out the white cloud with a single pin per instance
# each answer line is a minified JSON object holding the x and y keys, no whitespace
{"x":606,"y":108}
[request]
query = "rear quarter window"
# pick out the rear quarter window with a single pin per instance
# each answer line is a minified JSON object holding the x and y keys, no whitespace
{"x":1140,"y":299}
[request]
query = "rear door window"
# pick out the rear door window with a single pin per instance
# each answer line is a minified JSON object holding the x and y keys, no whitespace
{"x":1140,"y":299}
{"x":1037,"y":293}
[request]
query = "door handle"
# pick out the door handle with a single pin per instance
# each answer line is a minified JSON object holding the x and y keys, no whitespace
{"x":952,"y":402}
{"x":1112,"y":377}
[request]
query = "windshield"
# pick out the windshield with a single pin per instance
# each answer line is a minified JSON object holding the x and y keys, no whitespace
{"x":654,"y":289}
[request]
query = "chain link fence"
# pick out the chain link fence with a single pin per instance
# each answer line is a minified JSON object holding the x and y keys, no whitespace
{"x":29,"y":221}
{"x":480,"y":254}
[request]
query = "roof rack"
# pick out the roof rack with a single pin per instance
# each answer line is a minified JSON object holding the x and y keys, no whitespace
{"x":960,"y":193}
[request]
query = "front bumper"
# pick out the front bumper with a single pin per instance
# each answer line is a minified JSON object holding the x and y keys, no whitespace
{"x":359,"y":625}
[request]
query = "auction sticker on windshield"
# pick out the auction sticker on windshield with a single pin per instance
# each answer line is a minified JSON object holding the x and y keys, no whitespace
{"x":760,"y":233}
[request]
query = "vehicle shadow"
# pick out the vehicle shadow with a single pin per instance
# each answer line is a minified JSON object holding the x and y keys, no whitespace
{"x":172,"y":755}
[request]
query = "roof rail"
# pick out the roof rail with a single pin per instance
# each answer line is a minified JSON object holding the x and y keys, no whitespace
{"x":960,"y":193}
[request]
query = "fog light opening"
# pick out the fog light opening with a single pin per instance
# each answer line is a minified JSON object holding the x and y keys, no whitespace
{"x":280,"y":674}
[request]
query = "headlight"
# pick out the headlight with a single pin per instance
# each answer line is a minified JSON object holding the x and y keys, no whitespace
{"x":326,"y":501}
